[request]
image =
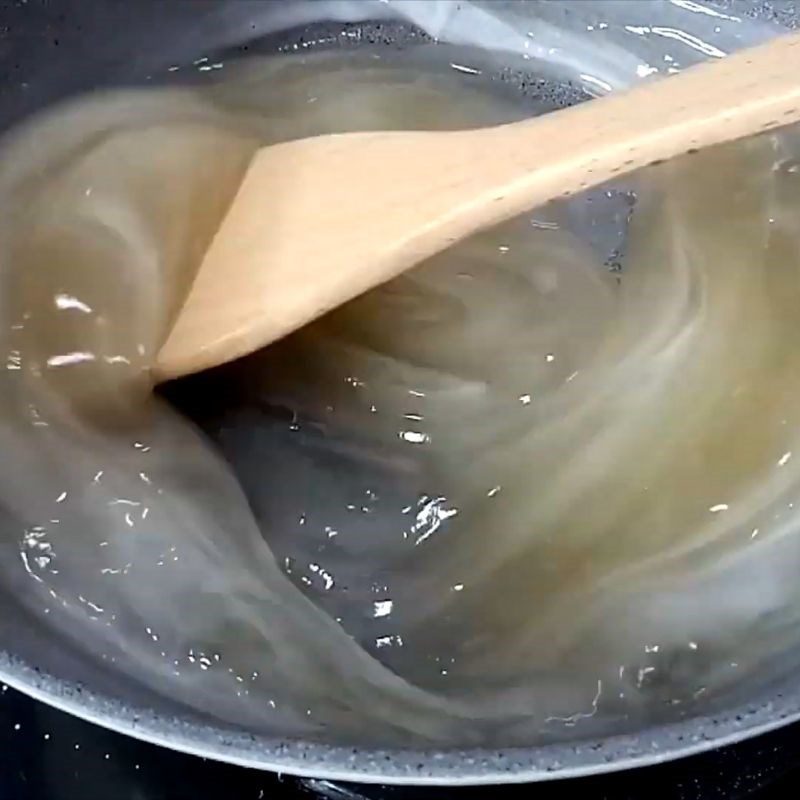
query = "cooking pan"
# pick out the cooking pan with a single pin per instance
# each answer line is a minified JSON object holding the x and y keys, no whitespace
{"x":52,"y":49}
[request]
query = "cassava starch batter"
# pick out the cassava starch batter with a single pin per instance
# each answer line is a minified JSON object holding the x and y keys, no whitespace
{"x":515,"y":491}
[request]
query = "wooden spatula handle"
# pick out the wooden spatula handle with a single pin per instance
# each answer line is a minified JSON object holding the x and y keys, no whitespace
{"x":753,"y":91}
{"x":318,"y":221}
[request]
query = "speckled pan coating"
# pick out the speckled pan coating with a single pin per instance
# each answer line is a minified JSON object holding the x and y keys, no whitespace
{"x":455,"y":767}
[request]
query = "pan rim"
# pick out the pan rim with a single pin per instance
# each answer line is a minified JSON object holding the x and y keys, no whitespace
{"x":412,"y":767}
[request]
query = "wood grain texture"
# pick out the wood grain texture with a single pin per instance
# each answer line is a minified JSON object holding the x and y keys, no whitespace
{"x":318,"y":221}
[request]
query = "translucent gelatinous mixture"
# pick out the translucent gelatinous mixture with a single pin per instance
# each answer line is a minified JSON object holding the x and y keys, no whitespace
{"x":545,"y":481}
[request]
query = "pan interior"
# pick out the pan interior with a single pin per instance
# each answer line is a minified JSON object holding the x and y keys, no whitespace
{"x":303,"y":465}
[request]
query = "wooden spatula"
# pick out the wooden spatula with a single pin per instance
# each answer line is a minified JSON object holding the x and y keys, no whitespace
{"x":318,"y":221}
